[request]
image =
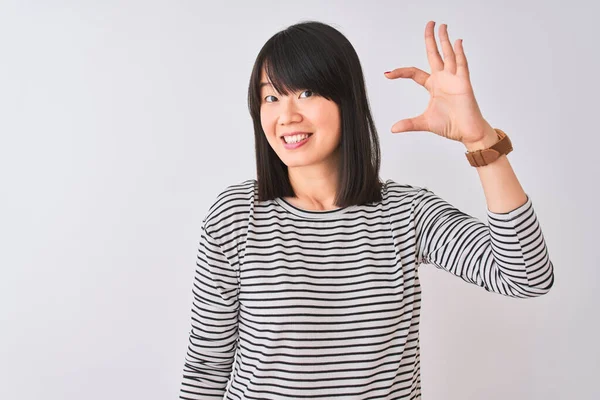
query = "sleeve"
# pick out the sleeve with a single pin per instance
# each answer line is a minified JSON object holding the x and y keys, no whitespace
{"x":214,"y":323}
{"x":508,"y":256}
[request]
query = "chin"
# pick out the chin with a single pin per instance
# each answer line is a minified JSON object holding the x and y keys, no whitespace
{"x":296,"y":164}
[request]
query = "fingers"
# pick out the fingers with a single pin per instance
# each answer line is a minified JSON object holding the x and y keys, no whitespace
{"x":413,"y":73}
{"x":449,"y":56}
{"x":433,"y":56}
{"x":418,"y":123}
{"x":462,"y":67}
{"x":454,"y":60}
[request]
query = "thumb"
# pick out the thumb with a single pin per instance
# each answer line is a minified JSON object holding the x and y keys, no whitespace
{"x":410,"y":124}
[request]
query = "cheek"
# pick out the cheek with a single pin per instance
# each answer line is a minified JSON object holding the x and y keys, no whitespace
{"x":329,"y":120}
{"x":266,"y":123}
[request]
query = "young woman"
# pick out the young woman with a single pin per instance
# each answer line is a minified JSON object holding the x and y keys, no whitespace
{"x":306,"y":283}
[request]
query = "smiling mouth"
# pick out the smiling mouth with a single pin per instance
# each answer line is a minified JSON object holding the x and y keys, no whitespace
{"x":283,"y":139}
{"x":296,"y":145}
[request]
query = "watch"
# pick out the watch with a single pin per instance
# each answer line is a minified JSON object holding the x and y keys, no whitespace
{"x":479,"y":158}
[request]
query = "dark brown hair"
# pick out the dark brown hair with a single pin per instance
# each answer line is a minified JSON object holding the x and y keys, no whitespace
{"x":315,"y":56}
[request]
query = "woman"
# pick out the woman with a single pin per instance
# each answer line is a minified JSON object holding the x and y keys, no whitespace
{"x":307,"y":276}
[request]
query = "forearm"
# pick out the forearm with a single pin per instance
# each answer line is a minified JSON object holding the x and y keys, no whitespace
{"x":502,"y":189}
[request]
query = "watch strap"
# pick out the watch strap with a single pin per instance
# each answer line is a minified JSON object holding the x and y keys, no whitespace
{"x":479,"y":158}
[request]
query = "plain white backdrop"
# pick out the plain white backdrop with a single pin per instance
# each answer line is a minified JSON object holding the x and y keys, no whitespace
{"x":120,"y":122}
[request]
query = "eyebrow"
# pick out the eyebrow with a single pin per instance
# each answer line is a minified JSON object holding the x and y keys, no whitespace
{"x":264,"y":84}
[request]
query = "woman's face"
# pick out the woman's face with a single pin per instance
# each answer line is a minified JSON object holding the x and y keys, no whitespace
{"x":303,"y":111}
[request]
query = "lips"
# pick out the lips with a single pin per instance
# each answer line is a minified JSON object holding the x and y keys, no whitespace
{"x":293,"y":134}
{"x":291,"y":146}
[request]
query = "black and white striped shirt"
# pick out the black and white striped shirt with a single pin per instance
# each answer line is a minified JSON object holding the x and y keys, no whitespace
{"x":326,"y":304}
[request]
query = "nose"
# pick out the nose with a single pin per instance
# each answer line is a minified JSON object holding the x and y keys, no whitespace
{"x":289,"y":112}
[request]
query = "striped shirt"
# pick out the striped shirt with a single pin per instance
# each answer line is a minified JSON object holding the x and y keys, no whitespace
{"x":298,"y":304}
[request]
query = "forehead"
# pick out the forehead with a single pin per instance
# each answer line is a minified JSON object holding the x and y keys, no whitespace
{"x":265,"y":83}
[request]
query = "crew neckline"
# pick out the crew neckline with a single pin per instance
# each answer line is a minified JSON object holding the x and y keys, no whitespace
{"x":313,"y":214}
{"x":318,"y":215}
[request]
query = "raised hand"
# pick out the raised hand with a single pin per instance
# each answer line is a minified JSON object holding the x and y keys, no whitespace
{"x":452,"y":111}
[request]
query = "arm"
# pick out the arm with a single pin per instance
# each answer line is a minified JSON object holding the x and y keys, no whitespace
{"x":214,"y":333}
{"x":502,"y":189}
{"x":508,"y":256}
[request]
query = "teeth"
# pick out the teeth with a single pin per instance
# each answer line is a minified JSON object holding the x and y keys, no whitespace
{"x":295,"y":138}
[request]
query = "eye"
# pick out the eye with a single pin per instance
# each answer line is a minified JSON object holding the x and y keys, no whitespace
{"x":305,"y":91}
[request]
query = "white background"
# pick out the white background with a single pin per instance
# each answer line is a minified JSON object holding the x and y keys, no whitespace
{"x":120,"y":122}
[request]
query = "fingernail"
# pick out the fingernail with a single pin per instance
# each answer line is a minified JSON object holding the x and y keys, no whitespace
{"x":387,"y":72}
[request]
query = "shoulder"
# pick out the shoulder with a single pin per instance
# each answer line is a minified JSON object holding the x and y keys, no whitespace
{"x":394,"y":190}
{"x":405,"y":197}
{"x":231,"y":206}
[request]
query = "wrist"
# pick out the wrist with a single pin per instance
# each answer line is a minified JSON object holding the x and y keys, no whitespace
{"x":490,"y":139}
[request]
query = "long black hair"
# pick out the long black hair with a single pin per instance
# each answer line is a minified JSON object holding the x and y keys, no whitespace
{"x":314,"y":56}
